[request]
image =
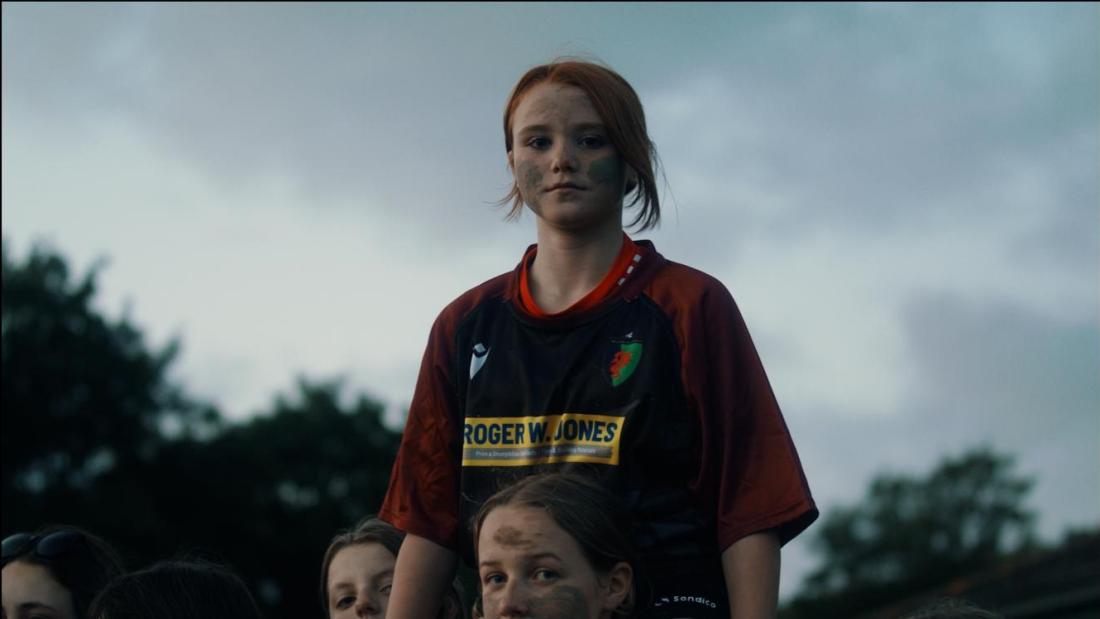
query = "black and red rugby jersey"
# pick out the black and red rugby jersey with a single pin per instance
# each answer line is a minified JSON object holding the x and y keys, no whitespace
{"x":657,"y":390}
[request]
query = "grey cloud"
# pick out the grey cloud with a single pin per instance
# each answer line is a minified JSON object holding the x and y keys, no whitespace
{"x":396,"y":106}
{"x":1020,"y":381}
{"x":983,"y":373}
{"x":56,"y":56}
{"x":1069,"y":239}
{"x":1002,"y":370}
{"x":861,"y":118}
{"x":870,"y":122}
{"x":337,"y":100}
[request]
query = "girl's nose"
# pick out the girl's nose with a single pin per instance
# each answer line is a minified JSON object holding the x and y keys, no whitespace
{"x":564,"y":158}
{"x":366,"y":605}
{"x":513,"y":601}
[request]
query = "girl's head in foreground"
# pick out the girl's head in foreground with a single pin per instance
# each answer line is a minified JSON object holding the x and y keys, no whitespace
{"x":357,"y":571}
{"x":577,"y":145}
{"x":181,"y":589}
{"x":55,"y":572}
{"x":552,"y":546}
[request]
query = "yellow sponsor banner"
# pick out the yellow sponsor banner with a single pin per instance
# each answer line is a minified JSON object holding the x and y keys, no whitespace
{"x":523,"y":441}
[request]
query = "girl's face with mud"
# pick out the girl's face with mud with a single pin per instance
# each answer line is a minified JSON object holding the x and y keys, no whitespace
{"x":530,"y":567}
{"x":566,"y":168}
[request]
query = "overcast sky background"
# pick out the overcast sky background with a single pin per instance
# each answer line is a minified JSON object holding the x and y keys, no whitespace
{"x":903,"y":199}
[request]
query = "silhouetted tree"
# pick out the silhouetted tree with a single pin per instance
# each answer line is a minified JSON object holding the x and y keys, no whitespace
{"x":302,"y":472}
{"x":82,"y":394}
{"x":910,"y":533}
{"x":95,"y":434}
{"x":265,"y":495}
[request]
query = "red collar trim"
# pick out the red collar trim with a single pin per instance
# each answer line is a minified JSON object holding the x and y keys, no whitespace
{"x":626,"y":263}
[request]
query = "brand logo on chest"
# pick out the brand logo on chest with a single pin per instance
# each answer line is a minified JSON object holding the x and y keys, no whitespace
{"x":478,"y":358}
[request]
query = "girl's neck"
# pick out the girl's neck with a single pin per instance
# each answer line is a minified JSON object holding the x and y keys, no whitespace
{"x":569,"y":265}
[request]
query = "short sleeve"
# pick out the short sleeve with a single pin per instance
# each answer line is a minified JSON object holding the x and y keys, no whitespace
{"x":750,"y":476}
{"x":422,"y":498}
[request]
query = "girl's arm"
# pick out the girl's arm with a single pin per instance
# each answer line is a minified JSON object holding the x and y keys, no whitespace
{"x":751,"y":568}
{"x":423,"y":572}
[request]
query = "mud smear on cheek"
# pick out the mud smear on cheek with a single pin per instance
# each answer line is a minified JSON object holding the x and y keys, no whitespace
{"x":511,"y":537}
{"x":530,"y":178}
{"x":606,"y":171}
{"x":562,"y":602}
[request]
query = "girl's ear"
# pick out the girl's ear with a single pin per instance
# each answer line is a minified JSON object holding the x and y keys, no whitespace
{"x":619,"y":589}
{"x":511,"y":162}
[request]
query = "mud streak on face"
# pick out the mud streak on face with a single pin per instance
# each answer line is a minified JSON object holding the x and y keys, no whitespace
{"x":511,"y":537}
{"x":531,"y":178}
{"x":606,"y":171}
{"x":561,"y":602}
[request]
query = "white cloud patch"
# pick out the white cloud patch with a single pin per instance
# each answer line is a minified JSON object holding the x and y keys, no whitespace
{"x":259,"y":288}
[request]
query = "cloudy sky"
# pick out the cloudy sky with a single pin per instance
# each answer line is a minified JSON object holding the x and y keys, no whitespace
{"x":903,"y":199}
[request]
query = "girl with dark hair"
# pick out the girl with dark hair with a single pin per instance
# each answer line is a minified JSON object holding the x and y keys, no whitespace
{"x":55,"y":572}
{"x":357,"y":573}
{"x":184,"y":589}
{"x":555,"y":545}
{"x":597,"y":354}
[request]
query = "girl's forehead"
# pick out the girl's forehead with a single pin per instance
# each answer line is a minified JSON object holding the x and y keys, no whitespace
{"x":24,"y":581}
{"x":367,"y":558}
{"x":516,"y":536}
{"x":548,"y":102}
{"x":512,"y":526}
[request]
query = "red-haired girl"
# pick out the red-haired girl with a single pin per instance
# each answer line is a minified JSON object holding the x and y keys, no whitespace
{"x":597,"y":355}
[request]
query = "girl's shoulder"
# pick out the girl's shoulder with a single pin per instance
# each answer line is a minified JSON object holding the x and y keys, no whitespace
{"x":679,"y":284}
{"x":499,"y":288}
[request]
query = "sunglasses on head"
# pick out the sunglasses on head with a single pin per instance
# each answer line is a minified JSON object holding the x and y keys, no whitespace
{"x":47,"y":546}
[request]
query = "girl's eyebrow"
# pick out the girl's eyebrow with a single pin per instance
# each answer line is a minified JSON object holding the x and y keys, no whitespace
{"x":534,"y":557}
{"x":382,"y":575}
{"x":576,"y":127}
{"x":35,"y":605}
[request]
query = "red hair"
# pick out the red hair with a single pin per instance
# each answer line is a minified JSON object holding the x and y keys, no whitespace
{"x":621,"y":112}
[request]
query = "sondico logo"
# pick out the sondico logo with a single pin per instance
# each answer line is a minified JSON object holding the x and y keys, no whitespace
{"x":523,"y":441}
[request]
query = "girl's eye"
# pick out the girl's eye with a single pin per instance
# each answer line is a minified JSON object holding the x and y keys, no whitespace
{"x":545,"y":574}
{"x":538,"y":143}
{"x":385,"y":589}
{"x":345,"y":601}
{"x":494,"y":578}
{"x":592,"y":141}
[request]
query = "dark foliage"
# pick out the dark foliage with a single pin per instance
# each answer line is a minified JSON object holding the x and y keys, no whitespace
{"x":81,"y":394}
{"x":96,"y":434}
{"x":909,"y":534}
